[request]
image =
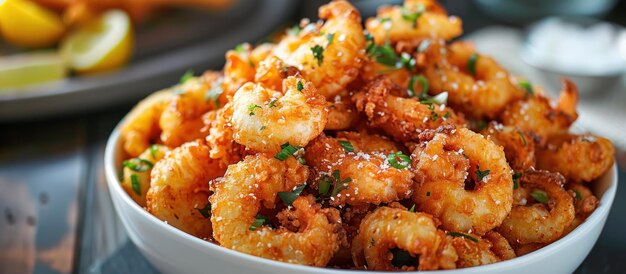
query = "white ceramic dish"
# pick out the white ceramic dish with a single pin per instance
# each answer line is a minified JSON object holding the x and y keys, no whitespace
{"x":173,"y":251}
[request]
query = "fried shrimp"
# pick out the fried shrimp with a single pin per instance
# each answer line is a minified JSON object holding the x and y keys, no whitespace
{"x":462,"y":179}
{"x":414,"y":21}
{"x":181,"y":121}
{"x":240,"y":67}
{"x":537,"y":114}
{"x":416,"y":233}
{"x":584,"y":204}
{"x":580,"y":158}
{"x":220,"y":138}
{"x":545,"y":220}
{"x":357,"y":167}
{"x":519,"y":146}
{"x":499,"y":245}
{"x":255,"y":182}
{"x":179,"y":189}
{"x":402,"y":118}
{"x":264,"y":119}
{"x":136,"y":172}
{"x":473,"y":251}
{"x":140,"y":128}
{"x":330,"y":56}
{"x":342,"y":113}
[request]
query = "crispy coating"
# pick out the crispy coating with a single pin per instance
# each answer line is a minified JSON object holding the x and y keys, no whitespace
{"x":387,"y":228}
{"x":371,"y":178}
{"x":539,"y":222}
{"x":402,"y":118}
{"x":264,"y":119}
{"x":584,"y":204}
{"x":138,"y":191}
{"x":414,"y":21}
{"x":580,"y":158}
{"x":330,"y":55}
{"x":342,"y":113}
{"x":179,"y":188}
{"x":462,"y":179}
{"x":473,"y":253}
{"x":519,"y":146}
{"x":254,"y":183}
{"x":241,"y":67}
{"x":500,"y":246}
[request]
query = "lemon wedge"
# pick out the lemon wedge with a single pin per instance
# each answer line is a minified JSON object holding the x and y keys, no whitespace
{"x":26,"y":24}
{"x":31,"y":68}
{"x":102,"y":44}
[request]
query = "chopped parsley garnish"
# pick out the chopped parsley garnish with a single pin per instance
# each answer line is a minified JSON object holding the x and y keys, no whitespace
{"x":138,"y":164}
{"x":205,"y":211}
{"x":214,"y":93}
{"x":527,"y":86}
{"x":339,"y":185}
{"x":402,"y":258}
{"x":540,"y":196}
{"x":460,"y":234}
{"x":423,"y":46}
{"x":318,"y":53}
{"x":404,"y":162}
{"x":516,"y":177}
{"x":324,"y":186}
{"x":262,"y":128}
{"x":240,"y":48}
{"x":471,"y":63}
{"x":330,"y":37}
{"x":480,"y":174}
{"x":299,"y":86}
{"x":413,"y":16}
{"x":287,"y":150}
{"x":135,"y":184}
{"x":347,"y":146}
{"x":188,"y":75}
{"x":446,"y":115}
{"x":272,"y":104}
{"x":153,"y":151}
{"x":258,"y":222}
{"x":521,"y":135}
{"x":434,"y":116}
{"x":252,"y":107}
{"x":289,"y":196}
{"x":578,"y":195}
{"x":412,"y":209}
{"x":382,"y":54}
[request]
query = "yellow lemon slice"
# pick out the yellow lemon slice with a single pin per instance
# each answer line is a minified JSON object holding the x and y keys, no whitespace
{"x":102,"y":44}
{"x":26,"y":24}
{"x":30,"y":69}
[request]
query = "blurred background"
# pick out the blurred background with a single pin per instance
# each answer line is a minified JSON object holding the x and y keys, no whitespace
{"x":71,"y":69}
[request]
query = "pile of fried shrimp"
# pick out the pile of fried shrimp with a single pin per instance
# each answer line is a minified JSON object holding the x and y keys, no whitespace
{"x":378,"y":146}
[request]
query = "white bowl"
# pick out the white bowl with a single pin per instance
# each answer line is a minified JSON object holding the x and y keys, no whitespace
{"x":173,"y":251}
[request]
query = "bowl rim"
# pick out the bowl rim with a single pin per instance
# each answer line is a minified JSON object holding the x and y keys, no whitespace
{"x":113,"y":145}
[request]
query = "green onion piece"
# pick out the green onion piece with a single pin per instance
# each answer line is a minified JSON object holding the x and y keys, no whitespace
{"x":423,"y":84}
{"x":540,"y":196}
{"x":407,"y":61}
{"x":480,"y":174}
{"x":521,"y":135}
{"x":299,"y":86}
{"x":258,"y":222}
{"x":578,"y":195}
{"x":205,"y":211}
{"x":446,"y":115}
{"x":188,"y":75}
{"x":240,"y":48}
{"x":459,"y":234}
{"x":423,"y":46}
{"x":138,"y":164}
{"x":412,"y":16}
{"x":347,"y":146}
{"x":527,"y":86}
{"x":153,"y":151}
{"x":471,"y":63}
{"x":434,"y":116}
{"x":516,"y":177}
{"x":272,"y":104}
{"x":135,"y":184}
{"x":287,"y":150}
{"x":339,"y":185}
{"x":330,"y":38}
{"x":318,"y":53}
{"x":402,"y":258}
{"x":385,"y":54}
{"x":324,"y":186}
{"x":405,"y":160}
{"x":412,"y":209}
{"x":289,"y":196}
{"x":440,"y":99}
{"x":301,"y":161}
{"x":252,"y":107}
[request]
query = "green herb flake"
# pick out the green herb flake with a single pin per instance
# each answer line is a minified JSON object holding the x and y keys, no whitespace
{"x":516,"y":177}
{"x":540,"y":196}
{"x":481,"y":174}
{"x":527,"y":86}
{"x":324,"y":186}
{"x":301,"y":161}
{"x":412,"y":16}
{"x":214,"y":93}
{"x":138,"y":164}
{"x":205,"y":211}
{"x":188,"y":75}
{"x":412,"y":209}
{"x":258,"y":222}
{"x":471,"y":63}
{"x":384,"y":54}
{"x":579,"y":196}
{"x":135,"y":184}
{"x":262,"y":128}
{"x":446,"y":115}
{"x":153,"y":151}
{"x":287,"y":150}
{"x":434,"y":116}
{"x":290,"y":196}
{"x":252,"y":107}
{"x":330,"y":37}
{"x":272,"y":104}
{"x":339,"y":185}
{"x":318,"y":53}
{"x":460,"y":234}
{"x":405,"y":161}
{"x":423,"y":85}
{"x":299,"y":86}
{"x":240,"y":48}
{"x":521,"y":135}
{"x":407,"y":61}
{"x":347,"y":146}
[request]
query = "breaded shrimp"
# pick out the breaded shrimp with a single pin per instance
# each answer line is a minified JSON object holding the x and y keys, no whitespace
{"x":584,"y":204}
{"x":179,"y":190}
{"x":264,"y":119}
{"x":462,"y":179}
{"x":240,"y":68}
{"x":136,"y":172}
{"x":519,"y":146}
{"x":254,"y":183}
{"x":329,"y":56}
{"x":416,"y":233}
{"x":342,"y":113}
